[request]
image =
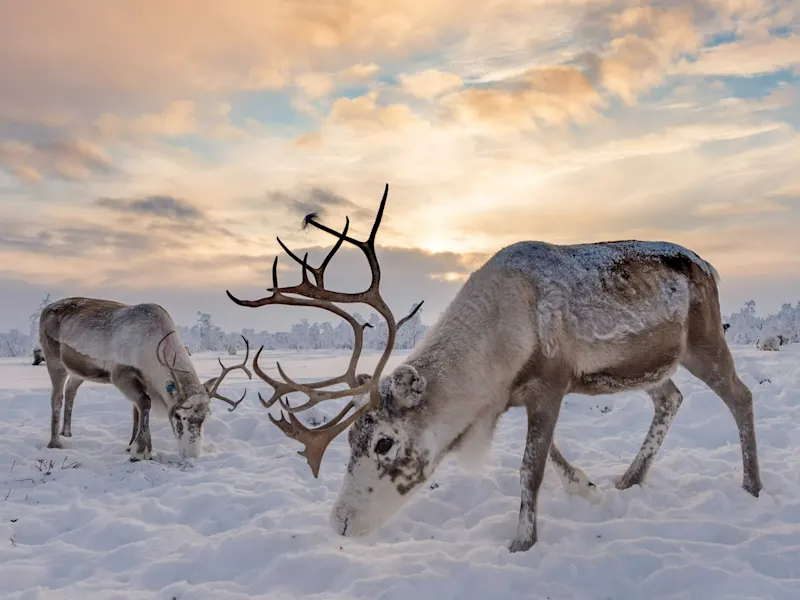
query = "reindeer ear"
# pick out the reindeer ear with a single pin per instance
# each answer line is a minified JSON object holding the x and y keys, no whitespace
{"x":407,"y":387}
{"x":210,"y":383}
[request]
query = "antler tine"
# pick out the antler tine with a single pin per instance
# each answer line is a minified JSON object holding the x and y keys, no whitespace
{"x":378,"y":218}
{"x":225,"y":370}
{"x":281,"y":388}
{"x":315,"y":441}
{"x":414,"y":310}
{"x":319,"y":272}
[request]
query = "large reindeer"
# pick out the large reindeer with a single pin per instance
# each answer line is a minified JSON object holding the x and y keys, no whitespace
{"x":537,"y":321}
{"x":87,"y":339}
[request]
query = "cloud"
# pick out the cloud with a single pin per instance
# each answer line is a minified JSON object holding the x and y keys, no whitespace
{"x":364,"y":113}
{"x":315,"y":84}
{"x":254,"y":44}
{"x":552,"y":96}
{"x":204,"y":138}
{"x":159,"y":206}
{"x":429,"y":83}
{"x":65,"y":159}
{"x":745,"y":58}
{"x":72,"y":241}
{"x":316,"y":200}
{"x":178,"y":118}
{"x":361,"y":71}
{"x":650,"y":39}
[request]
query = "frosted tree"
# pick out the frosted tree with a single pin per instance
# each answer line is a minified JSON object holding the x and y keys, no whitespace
{"x":210,"y":335}
{"x":745,"y":326}
{"x":15,"y":343}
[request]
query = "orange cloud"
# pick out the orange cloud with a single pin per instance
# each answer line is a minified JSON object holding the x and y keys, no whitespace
{"x":429,"y":83}
{"x":74,"y":159}
{"x":363,"y":112}
{"x":652,"y":39}
{"x":162,"y":50}
{"x":554,"y":95}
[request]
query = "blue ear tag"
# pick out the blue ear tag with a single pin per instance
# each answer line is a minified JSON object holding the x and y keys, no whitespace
{"x":170,"y":387}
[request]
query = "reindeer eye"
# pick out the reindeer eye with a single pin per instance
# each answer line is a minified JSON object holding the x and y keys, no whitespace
{"x":383,"y":445}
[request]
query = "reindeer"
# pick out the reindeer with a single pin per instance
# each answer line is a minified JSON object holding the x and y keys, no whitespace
{"x":88,"y":339}
{"x":770,"y":342}
{"x":537,"y":321}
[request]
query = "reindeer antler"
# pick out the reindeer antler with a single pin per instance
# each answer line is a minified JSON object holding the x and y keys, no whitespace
{"x":213,"y":382}
{"x":171,"y":367}
{"x":212,"y":392}
{"x":316,"y":440}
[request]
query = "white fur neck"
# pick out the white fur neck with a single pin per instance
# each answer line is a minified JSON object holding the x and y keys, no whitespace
{"x":469,"y":359}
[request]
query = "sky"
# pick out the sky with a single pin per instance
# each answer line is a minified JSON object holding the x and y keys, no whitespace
{"x":153,"y":151}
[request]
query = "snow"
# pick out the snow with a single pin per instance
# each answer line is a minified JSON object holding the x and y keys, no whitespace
{"x":247,"y":520}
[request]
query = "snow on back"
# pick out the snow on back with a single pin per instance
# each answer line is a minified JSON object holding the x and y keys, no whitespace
{"x":573,"y":284}
{"x":247,"y":520}
{"x":567,"y":261}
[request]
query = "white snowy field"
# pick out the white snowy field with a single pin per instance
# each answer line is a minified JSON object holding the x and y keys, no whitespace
{"x":247,"y":520}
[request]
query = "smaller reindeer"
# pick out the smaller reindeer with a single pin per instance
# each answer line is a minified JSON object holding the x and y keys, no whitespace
{"x":770,"y":342}
{"x":126,"y":345}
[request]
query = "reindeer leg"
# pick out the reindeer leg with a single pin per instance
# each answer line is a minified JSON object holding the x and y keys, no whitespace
{"x":667,"y":399}
{"x":574,"y":480}
{"x":135,"y":428}
{"x":711,"y":362}
{"x":58,"y":378}
{"x":70,"y":390}
{"x":131,"y":383}
{"x":543,"y":406}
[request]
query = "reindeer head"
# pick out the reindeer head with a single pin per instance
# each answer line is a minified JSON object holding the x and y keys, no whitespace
{"x":192,"y":401}
{"x":38,"y":356}
{"x":388,"y":457}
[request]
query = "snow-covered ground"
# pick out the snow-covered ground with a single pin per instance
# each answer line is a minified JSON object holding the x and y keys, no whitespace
{"x":247,"y":520}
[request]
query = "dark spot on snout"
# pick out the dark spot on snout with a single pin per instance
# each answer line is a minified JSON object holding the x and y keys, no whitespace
{"x":408,"y":469}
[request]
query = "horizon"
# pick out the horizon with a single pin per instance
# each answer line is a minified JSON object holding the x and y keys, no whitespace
{"x":156,"y":160}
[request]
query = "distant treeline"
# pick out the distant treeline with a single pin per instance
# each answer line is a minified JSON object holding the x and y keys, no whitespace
{"x":204,"y":335}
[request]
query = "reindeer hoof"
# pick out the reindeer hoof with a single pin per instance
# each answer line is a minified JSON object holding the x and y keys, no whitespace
{"x":66,"y":433}
{"x":55,"y":444}
{"x":627,"y":481}
{"x":751,"y":489}
{"x":138,"y":454}
{"x":580,"y":485}
{"x":521,"y":545}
